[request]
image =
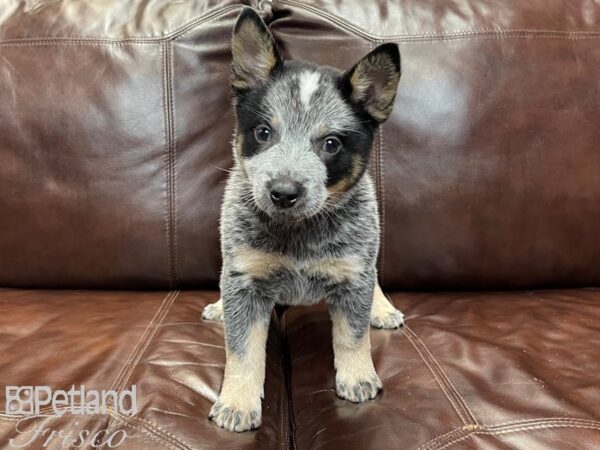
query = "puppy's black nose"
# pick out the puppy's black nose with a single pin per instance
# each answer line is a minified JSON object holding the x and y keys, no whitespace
{"x":285,"y":194}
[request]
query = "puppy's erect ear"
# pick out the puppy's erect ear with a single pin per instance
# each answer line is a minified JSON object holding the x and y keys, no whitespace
{"x":254,"y":51}
{"x":373,"y":81}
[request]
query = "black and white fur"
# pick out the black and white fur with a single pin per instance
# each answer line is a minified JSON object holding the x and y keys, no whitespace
{"x":299,"y":221}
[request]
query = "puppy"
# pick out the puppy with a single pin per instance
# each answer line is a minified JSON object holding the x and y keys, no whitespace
{"x":299,"y":221}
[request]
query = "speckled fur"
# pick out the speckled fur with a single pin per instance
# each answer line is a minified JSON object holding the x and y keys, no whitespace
{"x":324,"y":248}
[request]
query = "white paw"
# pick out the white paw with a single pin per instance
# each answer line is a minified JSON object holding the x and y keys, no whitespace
{"x":383,"y":313}
{"x":358,"y":390}
{"x":388,"y":319}
{"x":235,"y":418}
{"x":214,"y":311}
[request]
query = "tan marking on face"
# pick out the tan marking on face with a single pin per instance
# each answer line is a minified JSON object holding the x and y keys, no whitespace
{"x":243,"y":384}
{"x":345,"y":183}
{"x":338,"y":269}
{"x":238,"y":144}
{"x":323,"y":130}
{"x":352,"y":358}
{"x":259,"y":264}
{"x":253,"y":55}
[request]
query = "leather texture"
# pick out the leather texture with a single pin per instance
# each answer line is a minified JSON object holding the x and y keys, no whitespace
{"x":115,"y":129}
{"x":471,"y":370}
{"x":486,"y":172}
{"x":115,"y":124}
{"x":112,"y":340}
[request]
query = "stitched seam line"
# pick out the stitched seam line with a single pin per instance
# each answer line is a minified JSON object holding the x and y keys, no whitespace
{"x":168,"y":126}
{"x":464,"y":432}
{"x":440,"y":440}
{"x":290,"y":434}
{"x":440,"y":377}
{"x":161,"y":431}
{"x":156,"y":433}
{"x":148,"y":339}
{"x":159,"y":439}
{"x":354,"y":29}
{"x":376,"y":163}
{"x":172,"y":150}
{"x":159,"y":436}
{"x":501,"y":432}
{"x":141,"y":339}
{"x":381,"y":187}
{"x":445,"y":389}
{"x":175,"y":34}
{"x":456,"y":392}
{"x":544,"y":420}
{"x":497,"y":36}
{"x":165,"y":62}
{"x":458,"y":396}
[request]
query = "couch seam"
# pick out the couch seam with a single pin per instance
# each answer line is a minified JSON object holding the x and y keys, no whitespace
{"x":501,"y":432}
{"x":443,"y":372}
{"x":290,"y":437}
{"x":448,"y":388}
{"x":435,"y":375}
{"x":157,"y":429}
{"x":438,"y":440}
{"x":173,"y":167}
{"x":444,"y":440}
{"x":381,"y":183}
{"x":159,"y":439}
{"x":150,"y":428}
{"x":167,"y":94}
{"x":144,"y":341}
{"x":171,"y":35}
{"x":166,"y":157}
{"x":359,"y":31}
{"x":146,"y":330}
{"x":156,"y":436}
{"x":544,"y":419}
{"x":155,"y":432}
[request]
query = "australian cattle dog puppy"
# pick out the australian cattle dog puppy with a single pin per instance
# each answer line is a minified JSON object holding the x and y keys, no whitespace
{"x":299,"y":222}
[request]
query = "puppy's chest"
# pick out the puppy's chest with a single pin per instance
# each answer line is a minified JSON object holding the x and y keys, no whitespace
{"x":266,"y":265}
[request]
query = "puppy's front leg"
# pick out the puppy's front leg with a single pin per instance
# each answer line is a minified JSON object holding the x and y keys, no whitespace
{"x":355,"y":378}
{"x":246,"y":322}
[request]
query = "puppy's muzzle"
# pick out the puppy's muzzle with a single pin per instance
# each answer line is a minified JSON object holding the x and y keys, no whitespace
{"x":286,"y":193}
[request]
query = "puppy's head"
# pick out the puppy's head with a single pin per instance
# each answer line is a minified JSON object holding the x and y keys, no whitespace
{"x":304,"y":132}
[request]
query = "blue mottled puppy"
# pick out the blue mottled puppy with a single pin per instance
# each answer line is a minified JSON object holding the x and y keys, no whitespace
{"x":299,"y":222}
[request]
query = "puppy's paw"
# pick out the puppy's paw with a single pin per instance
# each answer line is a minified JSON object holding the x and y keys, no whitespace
{"x":359,"y":390}
{"x":214,"y":311}
{"x":383,"y":313}
{"x":388,"y":318}
{"x":236,"y":418}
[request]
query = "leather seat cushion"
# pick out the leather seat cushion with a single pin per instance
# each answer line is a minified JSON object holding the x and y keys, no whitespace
{"x":470,"y":370}
{"x":156,"y":341}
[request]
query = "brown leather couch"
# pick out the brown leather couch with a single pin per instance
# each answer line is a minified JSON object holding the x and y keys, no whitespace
{"x":115,"y":125}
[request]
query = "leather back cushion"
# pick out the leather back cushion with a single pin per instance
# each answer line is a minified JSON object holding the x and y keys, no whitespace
{"x":115,"y":125}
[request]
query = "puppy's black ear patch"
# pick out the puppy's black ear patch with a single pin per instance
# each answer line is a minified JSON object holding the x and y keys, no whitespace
{"x":373,"y":81}
{"x":255,"y":54}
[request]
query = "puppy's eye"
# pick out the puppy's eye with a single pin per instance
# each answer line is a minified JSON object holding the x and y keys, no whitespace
{"x":331,"y":145}
{"x":262,"y":134}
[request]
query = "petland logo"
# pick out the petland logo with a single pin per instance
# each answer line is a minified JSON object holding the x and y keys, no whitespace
{"x":32,"y":402}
